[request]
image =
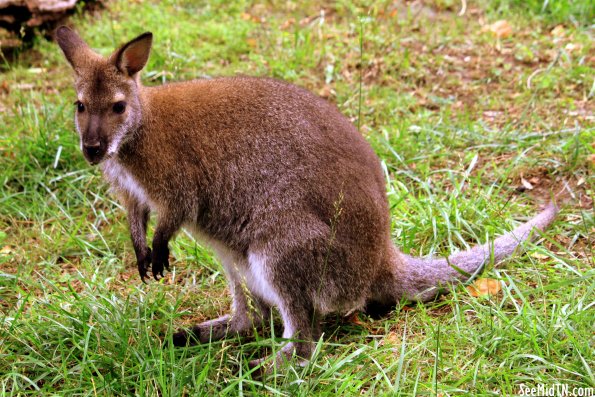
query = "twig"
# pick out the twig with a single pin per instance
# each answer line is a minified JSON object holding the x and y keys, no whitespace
{"x":463,"y":8}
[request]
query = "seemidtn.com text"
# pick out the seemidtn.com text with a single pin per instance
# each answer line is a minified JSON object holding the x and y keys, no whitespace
{"x":557,"y":390}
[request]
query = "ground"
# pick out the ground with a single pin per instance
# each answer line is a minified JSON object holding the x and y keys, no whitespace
{"x":480,"y":112}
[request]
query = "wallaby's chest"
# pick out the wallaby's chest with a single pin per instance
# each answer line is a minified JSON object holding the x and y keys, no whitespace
{"x":121,"y":180}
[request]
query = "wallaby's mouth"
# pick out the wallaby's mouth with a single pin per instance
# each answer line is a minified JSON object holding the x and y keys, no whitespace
{"x":94,"y":153}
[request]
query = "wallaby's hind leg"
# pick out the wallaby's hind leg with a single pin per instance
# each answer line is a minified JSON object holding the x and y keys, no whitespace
{"x":297,"y":327}
{"x":290,"y":295}
{"x":247,"y":313}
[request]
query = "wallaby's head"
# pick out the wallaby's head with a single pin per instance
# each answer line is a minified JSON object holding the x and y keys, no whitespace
{"x":108,"y":107}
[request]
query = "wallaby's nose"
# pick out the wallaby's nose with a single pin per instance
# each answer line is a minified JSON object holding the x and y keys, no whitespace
{"x":93,"y":151}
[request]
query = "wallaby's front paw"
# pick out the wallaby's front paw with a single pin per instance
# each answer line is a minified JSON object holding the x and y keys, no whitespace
{"x":143,"y":263}
{"x":159,"y":262}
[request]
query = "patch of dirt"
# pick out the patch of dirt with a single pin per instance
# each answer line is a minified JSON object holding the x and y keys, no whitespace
{"x":543,"y":187}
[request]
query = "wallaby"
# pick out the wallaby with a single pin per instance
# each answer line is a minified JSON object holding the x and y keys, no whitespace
{"x":274,"y":179}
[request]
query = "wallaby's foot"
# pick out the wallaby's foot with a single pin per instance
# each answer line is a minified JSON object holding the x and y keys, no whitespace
{"x":219,"y":328}
{"x":298,"y":353}
{"x":159,"y":261}
{"x":143,"y":261}
{"x":204,"y":332}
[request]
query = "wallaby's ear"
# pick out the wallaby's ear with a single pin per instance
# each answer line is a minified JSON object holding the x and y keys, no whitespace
{"x":133,"y":56}
{"x":75,"y":49}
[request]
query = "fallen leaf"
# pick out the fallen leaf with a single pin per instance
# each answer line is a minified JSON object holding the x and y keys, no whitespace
{"x":287,"y":23}
{"x":392,"y":338}
{"x":526,"y":184}
{"x":325,"y":92}
{"x":537,"y":255}
{"x":305,"y":21}
{"x":571,"y":47}
{"x":501,"y":29}
{"x":6,"y":250}
{"x":252,"y":42}
{"x":558,"y":31}
{"x":354,"y":319}
{"x":484,"y":286}
{"x":24,"y":86}
{"x":492,"y":114}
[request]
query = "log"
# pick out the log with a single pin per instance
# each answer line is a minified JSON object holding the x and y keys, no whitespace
{"x":32,"y":13}
{"x":20,"y":18}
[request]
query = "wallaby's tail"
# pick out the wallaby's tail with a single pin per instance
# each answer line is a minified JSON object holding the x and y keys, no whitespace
{"x":422,"y":278}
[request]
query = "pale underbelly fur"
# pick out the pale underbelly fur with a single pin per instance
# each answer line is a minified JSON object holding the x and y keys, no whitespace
{"x":250,"y":271}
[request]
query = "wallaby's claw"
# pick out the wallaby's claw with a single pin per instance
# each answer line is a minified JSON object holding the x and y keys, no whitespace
{"x":159,"y":263}
{"x":143,"y":265}
{"x":142,"y":273}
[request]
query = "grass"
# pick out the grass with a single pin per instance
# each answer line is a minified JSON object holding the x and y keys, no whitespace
{"x":459,"y":118}
{"x":552,"y":12}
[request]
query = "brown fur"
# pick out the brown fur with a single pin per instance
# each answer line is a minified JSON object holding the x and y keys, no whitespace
{"x":275,"y":179}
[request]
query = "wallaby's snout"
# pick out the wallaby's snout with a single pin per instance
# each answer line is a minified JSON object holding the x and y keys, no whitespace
{"x":93,"y":145}
{"x":94,"y":151}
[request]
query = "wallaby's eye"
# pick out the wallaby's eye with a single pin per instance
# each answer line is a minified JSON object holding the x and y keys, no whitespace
{"x":80,"y":107}
{"x":119,"y":107}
